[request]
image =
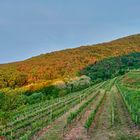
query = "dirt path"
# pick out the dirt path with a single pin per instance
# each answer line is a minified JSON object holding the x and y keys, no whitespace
{"x":55,"y":131}
{"x":102,"y":124}
{"x":125,"y":128}
{"x":78,"y":132}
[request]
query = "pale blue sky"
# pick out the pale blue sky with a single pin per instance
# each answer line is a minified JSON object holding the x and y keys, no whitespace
{"x":32,"y":27}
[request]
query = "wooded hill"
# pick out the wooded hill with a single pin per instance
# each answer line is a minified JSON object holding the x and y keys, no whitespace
{"x":65,"y":63}
{"x":112,"y":67}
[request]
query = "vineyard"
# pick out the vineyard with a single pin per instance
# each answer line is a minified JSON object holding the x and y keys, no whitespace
{"x":56,"y":84}
{"x":108,"y":110}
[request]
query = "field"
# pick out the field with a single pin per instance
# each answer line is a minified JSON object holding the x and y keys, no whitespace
{"x":108,"y":110}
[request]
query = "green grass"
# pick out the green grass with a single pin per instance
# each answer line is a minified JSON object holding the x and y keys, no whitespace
{"x":132,"y":79}
{"x":131,"y":96}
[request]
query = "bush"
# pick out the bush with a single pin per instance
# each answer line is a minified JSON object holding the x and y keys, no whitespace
{"x":35,"y":97}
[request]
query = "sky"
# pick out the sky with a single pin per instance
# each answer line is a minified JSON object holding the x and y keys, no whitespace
{"x":32,"y":27}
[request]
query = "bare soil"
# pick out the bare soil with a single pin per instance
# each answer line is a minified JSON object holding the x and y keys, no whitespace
{"x":78,"y":132}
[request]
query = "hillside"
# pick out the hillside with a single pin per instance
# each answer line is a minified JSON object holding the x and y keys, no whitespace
{"x":65,"y":63}
{"x":112,"y":67}
{"x":107,"y":110}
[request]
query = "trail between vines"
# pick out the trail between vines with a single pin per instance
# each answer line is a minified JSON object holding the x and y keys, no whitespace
{"x":126,"y":128}
{"x":123,"y":127}
{"x":101,"y":126}
{"x":78,"y":131}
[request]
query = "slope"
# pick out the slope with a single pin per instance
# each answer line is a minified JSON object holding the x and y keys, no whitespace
{"x":65,"y":63}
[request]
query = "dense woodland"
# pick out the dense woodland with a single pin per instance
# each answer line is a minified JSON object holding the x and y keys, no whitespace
{"x":112,"y":67}
{"x":63,"y":64}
